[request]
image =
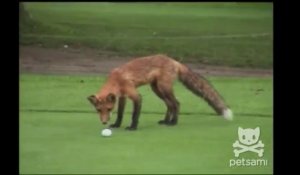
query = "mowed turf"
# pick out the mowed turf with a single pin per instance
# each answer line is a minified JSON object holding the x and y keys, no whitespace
{"x":234,"y":34}
{"x":60,"y":130}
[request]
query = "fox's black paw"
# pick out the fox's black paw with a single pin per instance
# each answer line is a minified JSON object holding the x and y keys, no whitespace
{"x":129,"y":128}
{"x":171,"y":123}
{"x":162,"y":122}
{"x":114,"y":126}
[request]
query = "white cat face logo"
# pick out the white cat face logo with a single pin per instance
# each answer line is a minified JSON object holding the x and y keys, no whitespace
{"x":248,"y":141}
{"x":248,"y":136}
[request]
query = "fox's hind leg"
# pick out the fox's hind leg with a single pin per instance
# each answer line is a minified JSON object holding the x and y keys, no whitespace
{"x":167,"y":102}
{"x":166,"y":92}
{"x":175,"y":108}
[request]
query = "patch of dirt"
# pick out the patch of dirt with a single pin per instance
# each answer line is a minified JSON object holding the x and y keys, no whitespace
{"x":70,"y":61}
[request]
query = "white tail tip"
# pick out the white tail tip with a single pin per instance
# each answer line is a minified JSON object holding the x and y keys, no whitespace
{"x":228,"y":115}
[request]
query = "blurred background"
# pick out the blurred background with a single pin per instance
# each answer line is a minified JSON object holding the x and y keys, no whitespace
{"x":231,"y":34}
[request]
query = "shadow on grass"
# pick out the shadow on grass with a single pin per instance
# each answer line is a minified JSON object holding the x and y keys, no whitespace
{"x":145,"y":112}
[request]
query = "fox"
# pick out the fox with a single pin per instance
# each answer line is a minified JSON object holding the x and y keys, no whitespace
{"x":159,"y":71}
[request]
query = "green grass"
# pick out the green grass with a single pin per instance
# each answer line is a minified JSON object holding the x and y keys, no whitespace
{"x":60,"y":130}
{"x":187,"y":31}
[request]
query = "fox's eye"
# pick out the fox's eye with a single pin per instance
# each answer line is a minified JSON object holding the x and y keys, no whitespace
{"x":109,"y":109}
{"x":99,"y":110}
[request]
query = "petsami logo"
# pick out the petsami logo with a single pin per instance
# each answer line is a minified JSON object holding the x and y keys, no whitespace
{"x":248,"y":141}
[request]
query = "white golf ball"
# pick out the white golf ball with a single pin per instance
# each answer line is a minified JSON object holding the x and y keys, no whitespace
{"x":106,"y":132}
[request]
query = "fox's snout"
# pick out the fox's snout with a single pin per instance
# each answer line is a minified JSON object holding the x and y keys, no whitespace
{"x":104,"y":118}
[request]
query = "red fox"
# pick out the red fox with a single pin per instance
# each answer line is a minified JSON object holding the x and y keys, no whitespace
{"x":159,"y":71}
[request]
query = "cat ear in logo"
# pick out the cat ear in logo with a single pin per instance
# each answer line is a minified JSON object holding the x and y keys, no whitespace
{"x":257,"y":130}
{"x":240,"y":130}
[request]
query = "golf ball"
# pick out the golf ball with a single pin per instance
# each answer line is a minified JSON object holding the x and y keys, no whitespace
{"x":106,"y":132}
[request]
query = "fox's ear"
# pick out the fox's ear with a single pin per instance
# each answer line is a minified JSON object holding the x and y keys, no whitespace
{"x":93,"y":99}
{"x":111,"y":98}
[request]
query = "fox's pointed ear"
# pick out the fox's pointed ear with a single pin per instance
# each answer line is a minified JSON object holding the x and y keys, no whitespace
{"x":111,"y":98}
{"x":93,"y":99}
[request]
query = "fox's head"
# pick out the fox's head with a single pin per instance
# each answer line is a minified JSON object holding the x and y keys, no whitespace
{"x":104,"y":106}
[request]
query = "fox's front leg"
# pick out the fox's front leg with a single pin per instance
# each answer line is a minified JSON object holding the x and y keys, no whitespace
{"x":137,"y":105}
{"x":121,"y":107}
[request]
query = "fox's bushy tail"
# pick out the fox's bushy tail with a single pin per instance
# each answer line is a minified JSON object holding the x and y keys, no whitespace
{"x":201,"y":87}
